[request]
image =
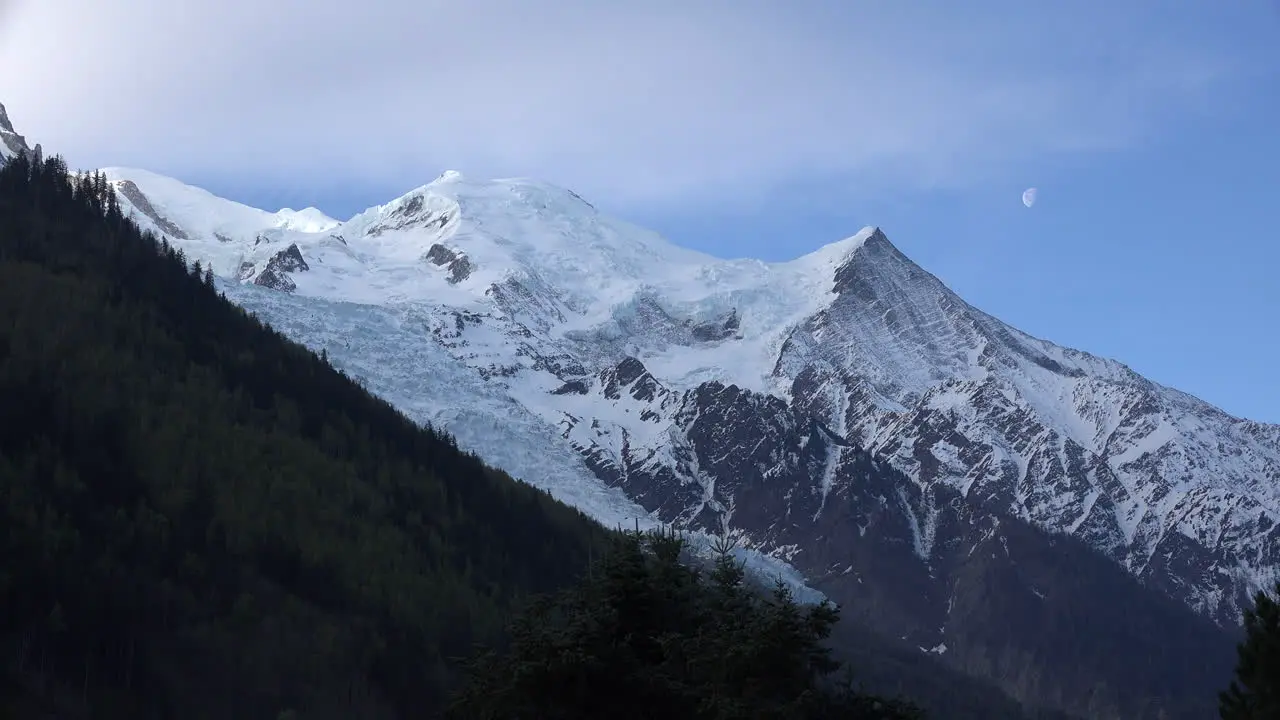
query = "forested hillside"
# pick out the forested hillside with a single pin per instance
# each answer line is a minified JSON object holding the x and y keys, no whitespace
{"x":646,"y":636}
{"x":201,"y":519}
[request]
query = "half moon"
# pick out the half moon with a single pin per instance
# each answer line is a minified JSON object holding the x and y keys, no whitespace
{"x":1029,"y":197}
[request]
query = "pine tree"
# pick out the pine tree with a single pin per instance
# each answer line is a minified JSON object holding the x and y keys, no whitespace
{"x":647,"y":636}
{"x":1255,"y":692}
{"x":112,"y":202}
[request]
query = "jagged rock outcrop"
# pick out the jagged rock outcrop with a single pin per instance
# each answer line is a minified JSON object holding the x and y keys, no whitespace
{"x":139,"y":200}
{"x":276,"y":274}
{"x":458,"y":265}
{"x":11,"y":143}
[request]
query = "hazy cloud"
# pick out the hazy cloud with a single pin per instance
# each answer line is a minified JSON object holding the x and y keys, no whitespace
{"x":658,"y":101}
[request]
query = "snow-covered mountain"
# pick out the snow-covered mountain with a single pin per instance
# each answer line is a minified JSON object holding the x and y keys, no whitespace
{"x":854,"y":421}
{"x":613,"y":350}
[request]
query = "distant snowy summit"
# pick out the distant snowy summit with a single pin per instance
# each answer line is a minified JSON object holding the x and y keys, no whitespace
{"x":461,"y":242}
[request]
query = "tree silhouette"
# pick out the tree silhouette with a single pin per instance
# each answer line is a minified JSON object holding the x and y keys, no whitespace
{"x":648,"y":636}
{"x":1255,"y":692}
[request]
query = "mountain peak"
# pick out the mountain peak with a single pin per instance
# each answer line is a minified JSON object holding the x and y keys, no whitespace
{"x":869,"y":249}
{"x":11,"y":143}
{"x":448,"y":176}
{"x":308,"y":219}
{"x":828,"y":258}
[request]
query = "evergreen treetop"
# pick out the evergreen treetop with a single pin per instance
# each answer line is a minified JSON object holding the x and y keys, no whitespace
{"x":1254,"y":694}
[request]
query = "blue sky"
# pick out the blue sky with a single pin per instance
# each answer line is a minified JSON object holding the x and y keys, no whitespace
{"x":745,"y":127}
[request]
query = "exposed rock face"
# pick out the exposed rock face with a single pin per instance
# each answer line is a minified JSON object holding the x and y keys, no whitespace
{"x":1068,"y":442}
{"x":959,"y":577}
{"x":276,"y":274}
{"x":130,"y":190}
{"x":11,"y":143}
{"x":718,"y":330}
{"x":458,"y":264}
{"x":413,"y":212}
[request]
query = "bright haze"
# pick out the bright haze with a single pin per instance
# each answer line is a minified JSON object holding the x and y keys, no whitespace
{"x":744,"y":127}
